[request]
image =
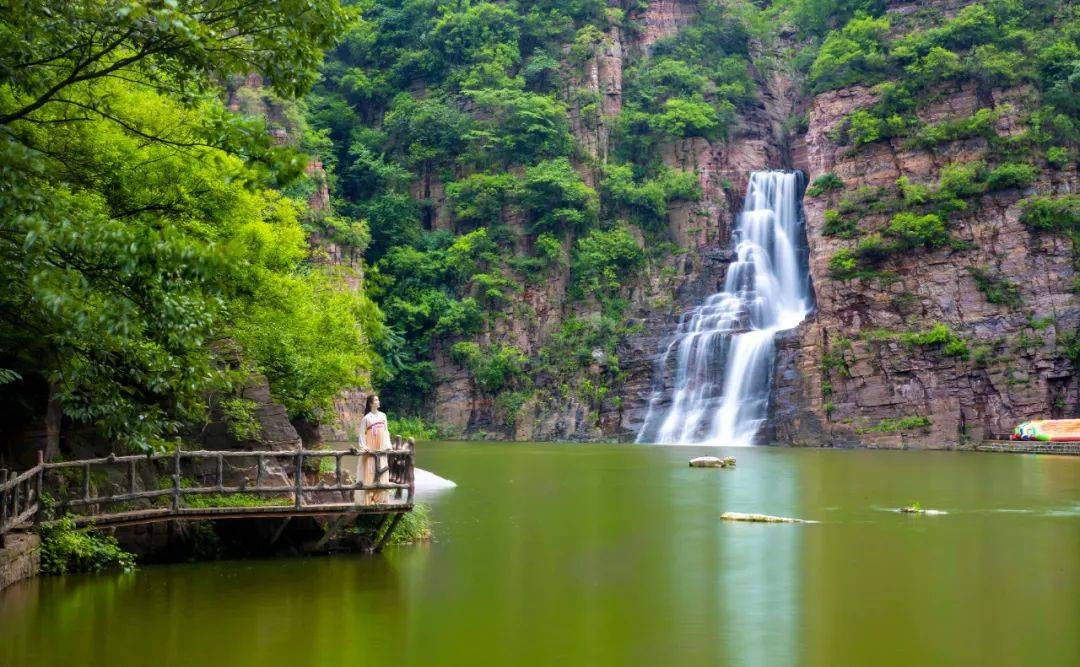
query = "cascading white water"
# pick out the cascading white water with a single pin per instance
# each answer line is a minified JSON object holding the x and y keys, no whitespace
{"x":722,"y":351}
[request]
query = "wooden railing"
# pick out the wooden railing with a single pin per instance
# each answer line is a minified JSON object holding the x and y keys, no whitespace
{"x":21,"y":495}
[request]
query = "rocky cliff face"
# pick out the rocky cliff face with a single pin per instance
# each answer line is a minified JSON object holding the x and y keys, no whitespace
{"x":848,"y":376}
{"x":841,"y":381}
{"x":656,"y":298}
{"x":835,"y":386}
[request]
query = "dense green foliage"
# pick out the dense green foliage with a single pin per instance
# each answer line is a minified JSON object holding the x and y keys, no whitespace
{"x":938,"y":336}
{"x":893,"y":425}
{"x":1057,"y":214}
{"x":993,"y":44}
{"x":450,"y":134}
{"x":908,"y":60}
{"x":146,"y":260}
{"x":155,"y":244}
{"x":66,"y":550}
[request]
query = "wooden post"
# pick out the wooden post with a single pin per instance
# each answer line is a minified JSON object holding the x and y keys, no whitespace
{"x":131,"y":476}
{"x":176,"y":482}
{"x":411,"y":461}
{"x":299,"y":477}
{"x":86,"y":483}
{"x":220,"y":473}
{"x":14,"y":516}
{"x":258,"y":473}
{"x":38,"y":515}
{"x":3,"y":506}
{"x":279,"y":530}
{"x":337,"y":470}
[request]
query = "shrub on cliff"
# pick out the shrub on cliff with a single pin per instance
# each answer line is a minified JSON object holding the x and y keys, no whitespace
{"x":838,"y":225}
{"x":824,"y":183}
{"x":918,"y":230}
{"x":493,"y":368}
{"x":997,"y":289}
{"x":556,"y":198}
{"x":979,"y":124}
{"x":951,"y":344}
{"x":1053,"y":214}
{"x":479,"y":199}
{"x":694,"y":117}
{"x":1010,"y":175}
{"x":647,"y":199}
{"x":865,"y":127}
{"x":854,"y":54}
{"x":602,"y":261}
{"x":963,"y":179}
{"x":520,"y":127}
{"x":844,"y":265}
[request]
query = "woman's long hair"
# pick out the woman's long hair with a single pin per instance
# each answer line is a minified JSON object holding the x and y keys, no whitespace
{"x":367,"y":404}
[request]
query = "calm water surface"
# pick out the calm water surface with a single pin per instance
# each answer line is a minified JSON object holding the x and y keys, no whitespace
{"x":615,"y":555}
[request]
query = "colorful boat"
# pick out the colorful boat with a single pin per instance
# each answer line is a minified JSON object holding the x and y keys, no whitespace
{"x":1048,"y":430}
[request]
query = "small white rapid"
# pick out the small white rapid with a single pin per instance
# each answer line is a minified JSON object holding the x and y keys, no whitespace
{"x":714,"y":375}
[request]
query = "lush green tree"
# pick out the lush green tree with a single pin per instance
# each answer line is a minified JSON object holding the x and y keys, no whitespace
{"x":49,"y":50}
{"x":479,"y":199}
{"x":556,"y":198}
{"x":915,"y":230}
{"x":602,"y":260}
{"x":494,"y":368}
{"x":692,"y":118}
{"x":139,"y":243}
{"x":649,"y":198}
{"x":522,"y":126}
{"x":854,"y":54}
{"x":817,"y":17}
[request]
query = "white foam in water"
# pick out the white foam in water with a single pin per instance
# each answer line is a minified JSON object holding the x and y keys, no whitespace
{"x":429,"y":484}
{"x":723,"y":351}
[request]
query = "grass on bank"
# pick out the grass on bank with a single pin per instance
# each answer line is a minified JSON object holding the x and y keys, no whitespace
{"x":415,"y":526}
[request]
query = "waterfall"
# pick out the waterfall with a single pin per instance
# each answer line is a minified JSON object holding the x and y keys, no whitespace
{"x":714,"y":375}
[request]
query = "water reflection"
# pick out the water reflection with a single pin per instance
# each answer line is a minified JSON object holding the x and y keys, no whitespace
{"x":762,"y":577}
{"x":606,"y":555}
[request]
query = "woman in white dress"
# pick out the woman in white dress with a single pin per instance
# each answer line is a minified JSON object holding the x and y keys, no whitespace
{"x":374,"y":437}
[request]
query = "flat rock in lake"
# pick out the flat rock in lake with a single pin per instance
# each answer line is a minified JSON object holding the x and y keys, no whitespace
{"x":760,"y":518}
{"x":713,"y":462}
{"x":919,"y":510}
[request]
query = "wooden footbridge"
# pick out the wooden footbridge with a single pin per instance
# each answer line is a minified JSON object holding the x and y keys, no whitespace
{"x":211,"y":485}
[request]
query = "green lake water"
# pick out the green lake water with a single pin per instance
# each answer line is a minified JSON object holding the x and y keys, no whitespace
{"x":615,"y":555}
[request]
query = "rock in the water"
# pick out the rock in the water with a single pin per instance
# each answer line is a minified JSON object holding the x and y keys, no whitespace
{"x":760,"y":518}
{"x":918,"y":510}
{"x":712,"y":462}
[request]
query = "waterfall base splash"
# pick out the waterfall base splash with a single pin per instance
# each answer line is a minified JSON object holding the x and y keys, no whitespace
{"x":714,"y":375}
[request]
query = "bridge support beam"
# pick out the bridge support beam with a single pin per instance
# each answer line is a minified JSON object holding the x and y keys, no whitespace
{"x":389,"y":531}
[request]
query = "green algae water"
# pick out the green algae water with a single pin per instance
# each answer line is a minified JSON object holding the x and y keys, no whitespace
{"x":615,"y":555}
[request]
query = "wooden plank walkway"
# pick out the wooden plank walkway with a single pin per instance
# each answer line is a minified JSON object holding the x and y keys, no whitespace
{"x":279,"y":477}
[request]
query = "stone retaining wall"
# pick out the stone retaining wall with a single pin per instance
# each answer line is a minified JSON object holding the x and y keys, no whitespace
{"x":19,"y":559}
{"x":1030,"y":447}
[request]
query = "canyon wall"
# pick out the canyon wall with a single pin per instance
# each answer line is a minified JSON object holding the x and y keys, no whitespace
{"x":657,"y":296}
{"x":847,"y":377}
{"x":1020,"y":372}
